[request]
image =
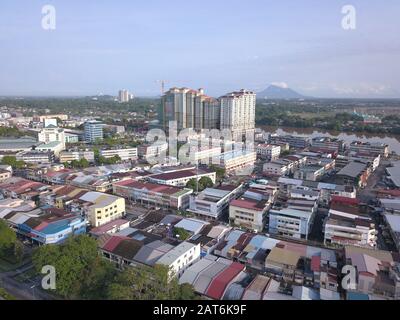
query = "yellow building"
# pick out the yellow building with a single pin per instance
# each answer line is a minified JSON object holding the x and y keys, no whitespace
{"x":101,"y":208}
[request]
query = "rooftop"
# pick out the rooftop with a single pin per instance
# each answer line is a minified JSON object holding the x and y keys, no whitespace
{"x":249,"y":204}
{"x":353,"y":169}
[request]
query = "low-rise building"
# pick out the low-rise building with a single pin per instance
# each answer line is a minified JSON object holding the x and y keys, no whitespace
{"x":393,"y":173}
{"x":201,"y":154}
{"x":180,"y":258}
{"x":268,"y":151}
{"x":284,"y":166}
{"x":346,"y":225}
{"x":126,"y":154}
{"x":296,"y":142}
{"x":310,"y":172}
{"x":153,"y":195}
{"x":20,"y":144}
{"x":35,"y":156}
{"x":71,"y":138}
{"x":111,"y":227}
{"x":99,"y":208}
{"x":289,"y":222}
{"x":181,"y":177}
{"x":370,"y":148}
{"x":4,"y":175}
{"x":277,"y":168}
{"x":16,"y":187}
{"x":211,"y":202}
{"x":237,"y":159}
{"x":156,"y":149}
{"x":51,"y":227}
{"x":71,"y":155}
{"x":250,"y":211}
{"x":51,"y":133}
{"x":393,"y":224}
{"x":327,"y":144}
{"x":377,"y":273}
{"x":55,"y":146}
{"x":355,"y":173}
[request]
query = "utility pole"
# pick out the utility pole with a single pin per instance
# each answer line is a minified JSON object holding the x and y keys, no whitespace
{"x":197,"y":176}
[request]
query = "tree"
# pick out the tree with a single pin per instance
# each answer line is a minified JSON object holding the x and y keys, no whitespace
{"x":192,"y":184}
{"x":80,"y":271}
{"x":8,"y":238}
{"x":12,"y":161}
{"x":18,"y":251}
{"x":220,"y":172}
{"x":82,"y":163}
{"x":146,"y":283}
{"x":206,"y":182}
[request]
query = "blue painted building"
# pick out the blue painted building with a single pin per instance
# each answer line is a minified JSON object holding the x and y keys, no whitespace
{"x":53,"y":227}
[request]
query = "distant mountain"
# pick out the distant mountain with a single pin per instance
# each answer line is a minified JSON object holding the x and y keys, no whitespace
{"x":276,"y":92}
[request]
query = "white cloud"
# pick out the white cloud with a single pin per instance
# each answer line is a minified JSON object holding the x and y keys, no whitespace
{"x":282,"y":85}
{"x":363,"y":89}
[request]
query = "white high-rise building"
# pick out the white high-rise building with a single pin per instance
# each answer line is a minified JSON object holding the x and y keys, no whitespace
{"x":124,"y":96}
{"x":190,"y":109}
{"x":238,"y":111}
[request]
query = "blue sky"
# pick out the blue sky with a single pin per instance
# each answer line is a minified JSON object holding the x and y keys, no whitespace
{"x":101,"y":46}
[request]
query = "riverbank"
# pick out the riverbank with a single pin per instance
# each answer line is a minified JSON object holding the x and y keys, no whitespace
{"x":392,"y":140}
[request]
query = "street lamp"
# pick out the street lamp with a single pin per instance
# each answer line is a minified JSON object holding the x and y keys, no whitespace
{"x":33,"y":291}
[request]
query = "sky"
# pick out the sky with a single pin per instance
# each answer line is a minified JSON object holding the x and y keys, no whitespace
{"x":101,"y":46}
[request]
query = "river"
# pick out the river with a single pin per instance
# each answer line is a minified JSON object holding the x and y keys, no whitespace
{"x":393,"y":141}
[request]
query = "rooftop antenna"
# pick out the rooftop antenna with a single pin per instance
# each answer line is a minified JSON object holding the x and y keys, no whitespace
{"x":162,"y":82}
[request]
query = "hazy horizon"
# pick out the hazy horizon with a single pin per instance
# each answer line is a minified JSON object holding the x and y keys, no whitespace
{"x":217,"y":45}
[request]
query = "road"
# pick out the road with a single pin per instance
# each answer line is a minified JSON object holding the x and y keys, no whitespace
{"x":367,"y":193}
{"x":316,"y":233}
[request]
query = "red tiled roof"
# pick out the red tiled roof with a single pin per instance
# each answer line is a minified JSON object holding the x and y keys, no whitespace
{"x":178,"y":174}
{"x":148,"y":186}
{"x":339,"y":199}
{"x":228,"y":187}
{"x":248,"y":204}
{"x":394,"y":193}
{"x":113,"y":242}
{"x":316,"y":263}
{"x":41,"y":226}
{"x":218,"y":286}
{"x":64,"y":190}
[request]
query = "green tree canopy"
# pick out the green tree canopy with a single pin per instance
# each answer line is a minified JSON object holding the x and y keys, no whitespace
{"x":206,"y":182}
{"x":147,"y":283}
{"x":220,"y":172}
{"x":80,"y":164}
{"x":12,"y":161}
{"x":80,"y":271}
{"x":8,"y":238}
{"x":192,"y":184}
